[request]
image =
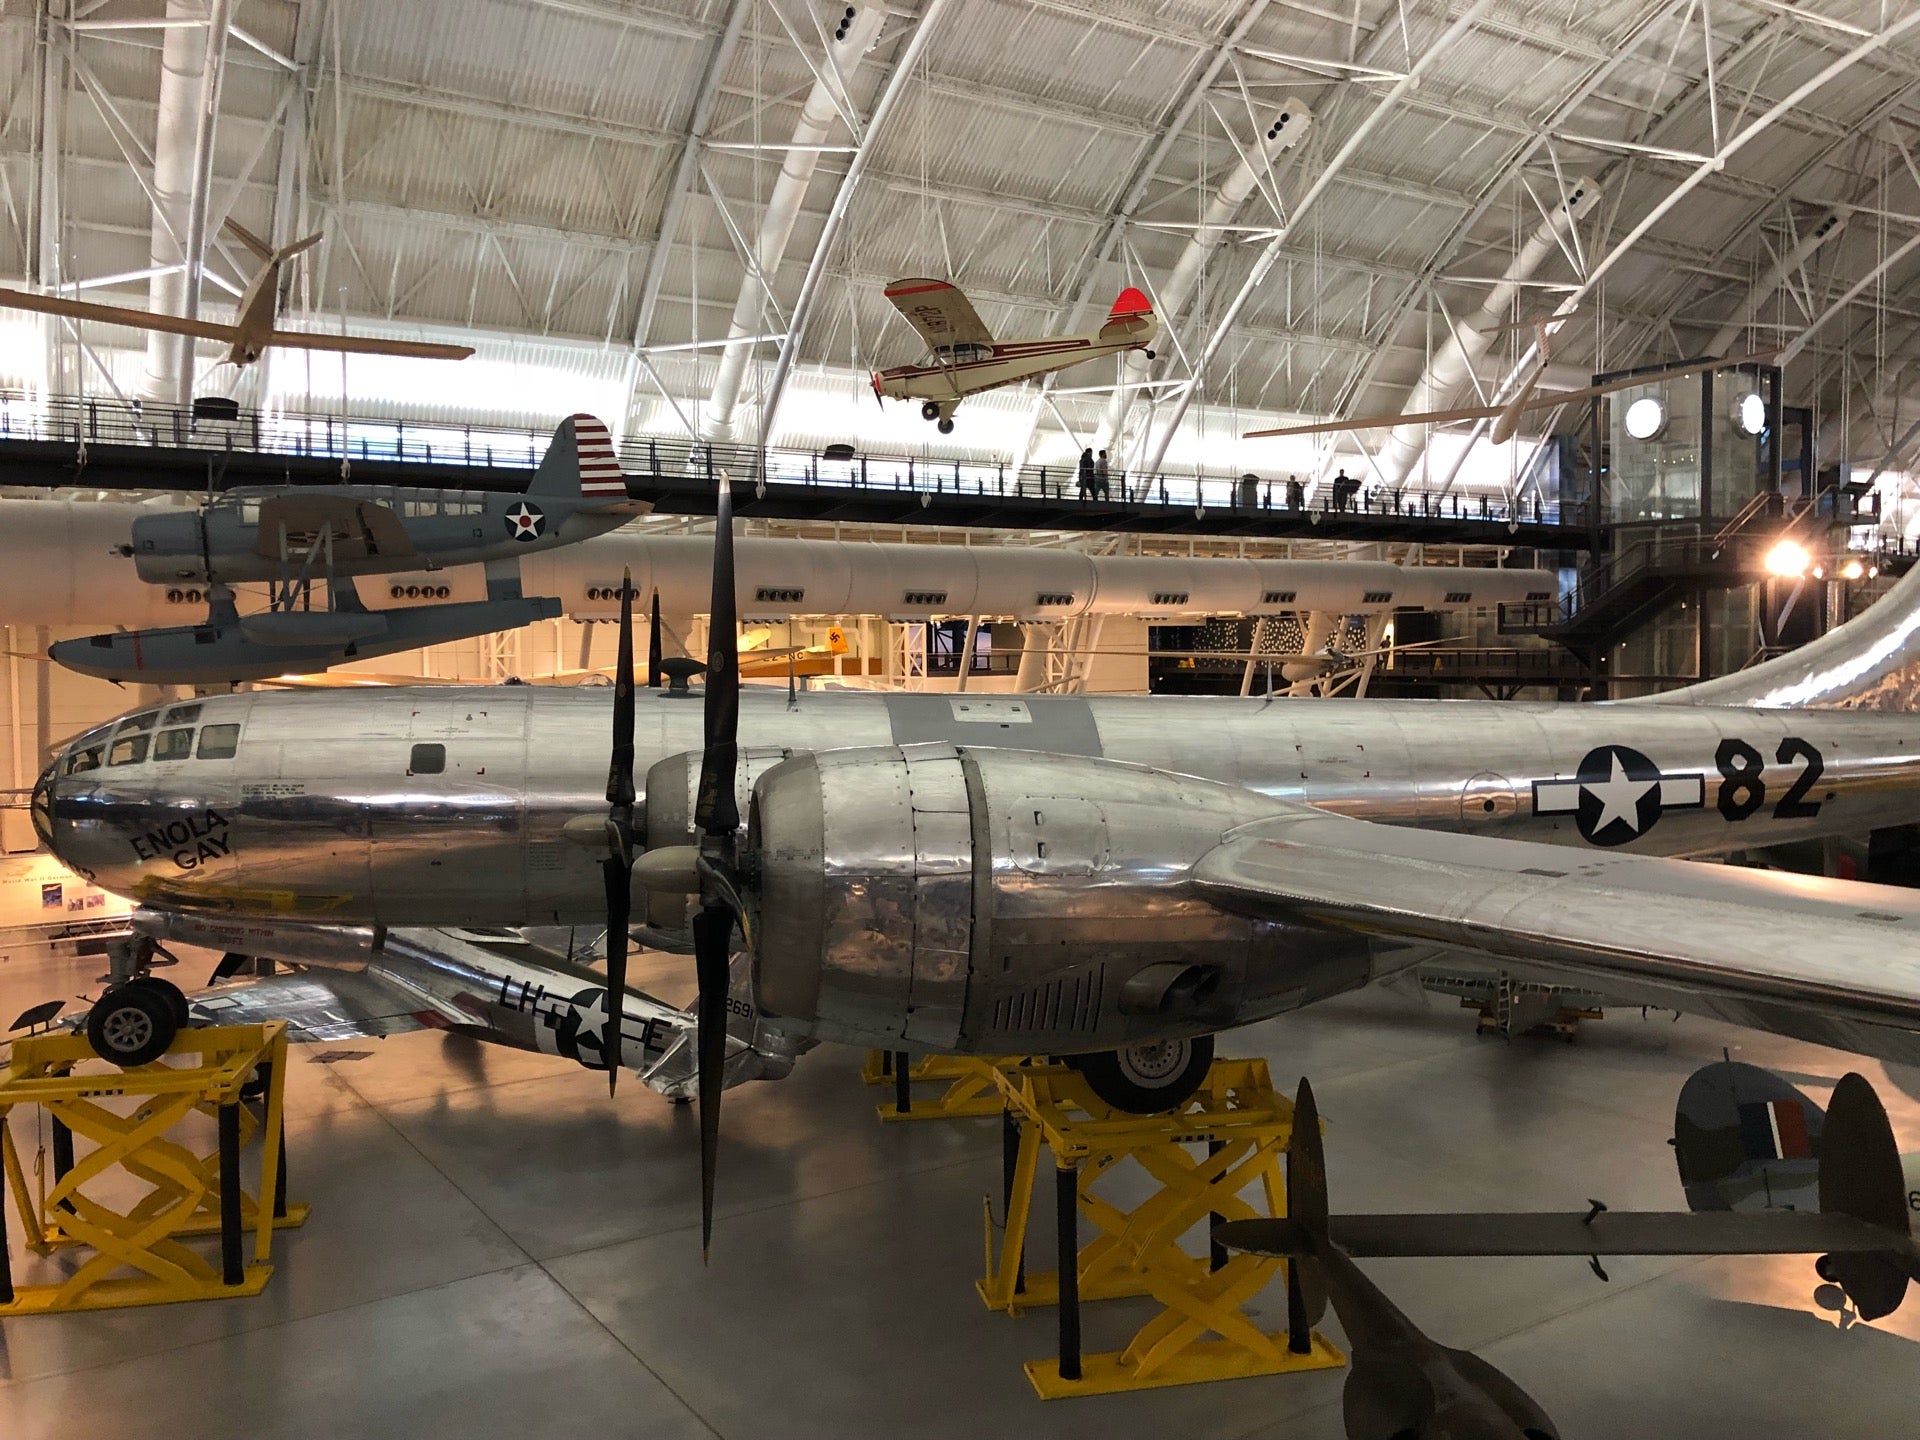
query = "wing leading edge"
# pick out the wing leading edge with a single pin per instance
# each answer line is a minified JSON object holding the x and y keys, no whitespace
{"x":1831,"y":960}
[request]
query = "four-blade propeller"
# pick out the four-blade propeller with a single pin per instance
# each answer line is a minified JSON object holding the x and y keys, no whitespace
{"x":715,"y":864}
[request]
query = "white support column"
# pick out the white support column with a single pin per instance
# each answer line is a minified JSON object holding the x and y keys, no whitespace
{"x":1462,"y":24}
{"x":1194,"y":95}
{"x":191,"y":59}
{"x":1474,"y":335}
{"x":817,"y":118}
{"x":1829,"y":226}
{"x":1286,"y":124}
{"x":966,"y":652}
{"x":883,"y":109}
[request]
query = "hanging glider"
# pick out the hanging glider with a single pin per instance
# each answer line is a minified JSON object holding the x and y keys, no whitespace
{"x":964,"y":358}
{"x":252,"y":330}
{"x":1506,"y":417}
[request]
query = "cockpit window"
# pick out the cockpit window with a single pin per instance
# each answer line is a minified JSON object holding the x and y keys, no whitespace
{"x":83,"y":757}
{"x":173,"y":744}
{"x":139,"y":722}
{"x":219,"y":742}
{"x":128,"y":749}
{"x":88,"y":752}
{"x":181,"y":715}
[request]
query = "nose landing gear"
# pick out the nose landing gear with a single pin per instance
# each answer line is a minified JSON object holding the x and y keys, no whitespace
{"x":940,"y":414}
{"x":134,"y":1022}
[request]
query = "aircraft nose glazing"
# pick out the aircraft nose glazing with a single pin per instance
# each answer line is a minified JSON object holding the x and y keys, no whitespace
{"x":40,"y":807}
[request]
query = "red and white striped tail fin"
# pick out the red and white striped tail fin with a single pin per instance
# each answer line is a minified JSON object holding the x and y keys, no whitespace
{"x":580,"y":463}
{"x":600,"y":477}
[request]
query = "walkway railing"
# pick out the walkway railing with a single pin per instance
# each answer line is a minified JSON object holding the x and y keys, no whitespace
{"x":82,"y":422}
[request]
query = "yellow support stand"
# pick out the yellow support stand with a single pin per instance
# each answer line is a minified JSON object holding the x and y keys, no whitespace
{"x":1202,"y":1331}
{"x":971,"y":1090}
{"x":191,"y":1193}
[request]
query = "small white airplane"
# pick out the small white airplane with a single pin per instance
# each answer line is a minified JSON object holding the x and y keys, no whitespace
{"x":966,"y":359}
{"x":252,"y":330}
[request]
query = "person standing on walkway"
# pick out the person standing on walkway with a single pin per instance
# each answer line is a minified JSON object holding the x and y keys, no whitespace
{"x":1100,"y":477}
{"x":1086,"y":473}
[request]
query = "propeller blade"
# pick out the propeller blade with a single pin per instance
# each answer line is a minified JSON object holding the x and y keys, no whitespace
{"x":654,"y":675}
{"x":620,"y":772}
{"x":717,"y":813}
{"x":615,"y":871}
{"x":617,"y":868}
{"x":712,"y":936}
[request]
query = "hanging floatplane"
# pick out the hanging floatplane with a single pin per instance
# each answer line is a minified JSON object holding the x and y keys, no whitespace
{"x":964,"y":359}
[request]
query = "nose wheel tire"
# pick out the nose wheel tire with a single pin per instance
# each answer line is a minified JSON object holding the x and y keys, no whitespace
{"x":134,"y":1023}
{"x":175,"y":997}
{"x":1148,"y":1078}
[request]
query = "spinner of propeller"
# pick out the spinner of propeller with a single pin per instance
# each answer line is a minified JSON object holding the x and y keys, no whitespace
{"x":710,"y":870}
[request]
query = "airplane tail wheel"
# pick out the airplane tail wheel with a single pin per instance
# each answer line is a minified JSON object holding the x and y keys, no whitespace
{"x":1148,"y":1078}
{"x":132,"y":1024}
{"x":945,"y":427}
{"x":929,"y":411}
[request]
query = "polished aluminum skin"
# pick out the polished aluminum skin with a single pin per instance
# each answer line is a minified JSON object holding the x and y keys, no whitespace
{"x":503,"y":987}
{"x":326,"y":809}
{"x":948,"y":893}
{"x":1003,"y":901}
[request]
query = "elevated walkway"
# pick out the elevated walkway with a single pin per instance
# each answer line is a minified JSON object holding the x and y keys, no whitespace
{"x":110,"y":445}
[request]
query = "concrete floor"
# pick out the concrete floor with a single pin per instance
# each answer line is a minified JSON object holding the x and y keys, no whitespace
{"x":498,"y":1250}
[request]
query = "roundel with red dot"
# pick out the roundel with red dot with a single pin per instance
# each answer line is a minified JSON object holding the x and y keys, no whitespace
{"x":525,"y":520}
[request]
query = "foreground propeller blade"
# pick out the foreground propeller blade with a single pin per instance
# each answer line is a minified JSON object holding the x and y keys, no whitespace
{"x":653,"y":646}
{"x":712,"y":939}
{"x":617,"y":869}
{"x":717,"y":813}
{"x":617,"y":874}
{"x":717,"y":816}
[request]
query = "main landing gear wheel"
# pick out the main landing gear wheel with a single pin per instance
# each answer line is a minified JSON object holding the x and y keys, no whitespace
{"x":930,"y":411}
{"x":945,"y":427}
{"x":1148,"y":1078}
{"x":134,"y":1023}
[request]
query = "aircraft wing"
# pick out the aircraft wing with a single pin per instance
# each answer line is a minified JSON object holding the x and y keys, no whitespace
{"x":367,"y":345}
{"x":1545,"y":401}
{"x":114,"y":315}
{"x":369,"y":527}
{"x":319,"y":1005}
{"x":939,"y":311}
{"x":1834,"y":961}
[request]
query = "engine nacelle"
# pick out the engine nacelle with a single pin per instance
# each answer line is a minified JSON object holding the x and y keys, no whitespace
{"x":994,"y":901}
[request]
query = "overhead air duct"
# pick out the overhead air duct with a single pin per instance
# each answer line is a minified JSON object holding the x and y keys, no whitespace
{"x":1286,"y":127}
{"x":1473,"y":336}
{"x":192,"y":54}
{"x":856,"y":30}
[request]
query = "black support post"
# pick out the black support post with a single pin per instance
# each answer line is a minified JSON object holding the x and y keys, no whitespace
{"x":232,"y":1271}
{"x":902,"y":1087}
{"x":62,"y":1154}
{"x":6,"y":1255}
{"x":1009,"y":1163}
{"x":1066,"y":1194}
{"x":1216,"y":1252}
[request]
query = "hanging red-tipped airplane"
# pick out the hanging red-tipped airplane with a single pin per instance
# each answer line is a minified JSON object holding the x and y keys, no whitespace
{"x":965,"y":359}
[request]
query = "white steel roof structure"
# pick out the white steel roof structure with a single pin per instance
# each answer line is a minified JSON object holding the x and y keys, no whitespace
{"x":600,"y":193}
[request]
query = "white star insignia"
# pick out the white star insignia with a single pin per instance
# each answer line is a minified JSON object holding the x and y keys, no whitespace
{"x":1619,"y":796}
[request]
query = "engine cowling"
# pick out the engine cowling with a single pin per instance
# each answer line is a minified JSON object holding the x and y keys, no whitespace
{"x":995,"y":901}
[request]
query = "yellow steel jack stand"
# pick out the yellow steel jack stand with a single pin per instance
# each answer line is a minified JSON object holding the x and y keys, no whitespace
{"x":1245,"y":1125}
{"x":191,"y":1193}
{"x":971,"y":1090}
